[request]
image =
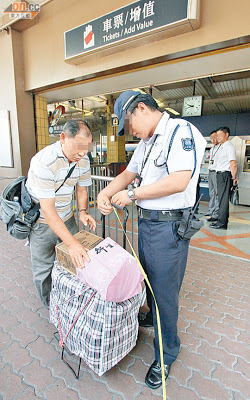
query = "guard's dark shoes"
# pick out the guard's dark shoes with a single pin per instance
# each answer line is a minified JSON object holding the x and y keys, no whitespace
{"x":153,"y":378}
{"x":212,"y":219}
{"x":145,"y":319}
{"x":218,"y":226}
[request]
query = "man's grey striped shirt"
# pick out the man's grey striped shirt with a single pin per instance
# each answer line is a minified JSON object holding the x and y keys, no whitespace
{"x":48,"y":169}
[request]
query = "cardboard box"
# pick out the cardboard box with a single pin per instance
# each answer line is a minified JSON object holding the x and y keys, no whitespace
{"x":87,"y":239}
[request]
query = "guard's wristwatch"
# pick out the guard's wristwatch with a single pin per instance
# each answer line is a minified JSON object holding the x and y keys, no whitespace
{"x":131,"y":194}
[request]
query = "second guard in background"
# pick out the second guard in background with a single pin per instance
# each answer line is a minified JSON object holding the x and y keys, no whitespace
{"x":213,"y":206}
{"x":226,"y":170}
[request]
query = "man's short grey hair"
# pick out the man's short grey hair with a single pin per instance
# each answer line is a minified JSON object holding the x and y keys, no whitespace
{"x":73,"y":127}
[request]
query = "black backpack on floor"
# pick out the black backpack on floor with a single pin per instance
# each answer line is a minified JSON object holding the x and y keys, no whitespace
{"x":18,"y":216}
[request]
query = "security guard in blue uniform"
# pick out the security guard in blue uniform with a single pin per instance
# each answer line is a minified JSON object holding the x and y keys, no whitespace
{"x":165,"y":169}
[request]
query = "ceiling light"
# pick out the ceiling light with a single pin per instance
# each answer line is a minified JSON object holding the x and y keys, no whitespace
{"x":139,"y":90}
{"x":172,"y":111}
{"x":67,"y":105}
{"x":87,"y":113}
{"x":102,"y":97}
{"x":99,"y":99}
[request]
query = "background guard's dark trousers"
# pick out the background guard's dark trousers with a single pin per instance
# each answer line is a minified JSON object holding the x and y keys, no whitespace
{"x":163,"y":256}
{"x":224,"y":183}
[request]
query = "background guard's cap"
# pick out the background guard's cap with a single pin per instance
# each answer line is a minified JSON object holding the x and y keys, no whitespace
{"x":121,"y":106}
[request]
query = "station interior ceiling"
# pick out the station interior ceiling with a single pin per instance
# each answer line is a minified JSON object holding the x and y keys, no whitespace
{"x":222,"y":94}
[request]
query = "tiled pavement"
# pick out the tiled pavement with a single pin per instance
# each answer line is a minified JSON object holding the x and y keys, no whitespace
{"x":233,"y":241}
{"x":213,"y":327}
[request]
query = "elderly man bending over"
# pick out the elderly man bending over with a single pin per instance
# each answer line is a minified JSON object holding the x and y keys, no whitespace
{"x":48,"y":169}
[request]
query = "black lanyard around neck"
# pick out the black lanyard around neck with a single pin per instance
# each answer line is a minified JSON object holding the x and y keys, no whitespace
{"x":66,"y":177}
{"x":213,"y":154}
{"x":148,"y":154}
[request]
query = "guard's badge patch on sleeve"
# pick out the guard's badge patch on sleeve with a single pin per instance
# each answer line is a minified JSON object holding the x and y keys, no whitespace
{"x":187,"y":144}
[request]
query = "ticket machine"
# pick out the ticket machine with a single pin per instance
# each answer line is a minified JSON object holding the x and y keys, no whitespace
{"x":242,"y":147}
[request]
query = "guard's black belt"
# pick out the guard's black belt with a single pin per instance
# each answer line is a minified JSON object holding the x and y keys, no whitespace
{"x":159,"y":216}
{"x":223,"y":172}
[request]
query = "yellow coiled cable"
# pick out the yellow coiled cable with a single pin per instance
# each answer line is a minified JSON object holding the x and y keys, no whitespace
{"x":156,"y":307}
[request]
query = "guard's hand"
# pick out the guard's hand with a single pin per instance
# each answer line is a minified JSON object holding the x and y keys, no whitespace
{"x":103,"y":204}
{"x":78,"y":254}
{"x":235,"y":181}
{"x":88,"y":220}
{"x":121,"y":198}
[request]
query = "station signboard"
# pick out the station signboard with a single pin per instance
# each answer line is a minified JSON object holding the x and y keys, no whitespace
{"x":138,"y":19}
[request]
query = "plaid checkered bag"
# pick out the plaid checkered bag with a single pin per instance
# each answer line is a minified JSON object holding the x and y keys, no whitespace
{"x":104,"y":333}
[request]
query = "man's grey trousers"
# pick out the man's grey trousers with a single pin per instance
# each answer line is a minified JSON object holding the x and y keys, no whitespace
{"x":42,"y":248}
{"x":213,"y":207}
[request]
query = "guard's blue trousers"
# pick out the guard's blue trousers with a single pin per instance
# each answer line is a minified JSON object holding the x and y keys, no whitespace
{"x":163,"y":256}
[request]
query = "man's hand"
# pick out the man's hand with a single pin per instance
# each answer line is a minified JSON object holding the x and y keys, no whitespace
{"x":103,"y":204}
{"x":233,"y":169}
{"x":87,"y":220}
{"x":121,"y":198}
{"x":78,"y":254}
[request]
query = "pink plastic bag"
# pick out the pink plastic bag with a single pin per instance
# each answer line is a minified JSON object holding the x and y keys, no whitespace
{"x":112,"y":271}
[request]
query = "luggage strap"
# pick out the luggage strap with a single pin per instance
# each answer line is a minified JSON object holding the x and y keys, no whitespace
{"x":156,"y":307}
{"x":62,"y":340}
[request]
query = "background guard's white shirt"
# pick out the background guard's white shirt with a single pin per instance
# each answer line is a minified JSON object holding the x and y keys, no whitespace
{"x":214,"y":155}
{"x":178,"y":160}
{"x":227,"y":154}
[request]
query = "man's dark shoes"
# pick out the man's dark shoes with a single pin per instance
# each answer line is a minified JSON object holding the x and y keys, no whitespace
{"x":145,"y":319}
{"x":212,"y":219}
{"x":218,"y":226}
{"x":153,"y":378}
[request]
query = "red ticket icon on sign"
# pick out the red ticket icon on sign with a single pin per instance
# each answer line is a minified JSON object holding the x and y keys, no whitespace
{"x":88,"y":37}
